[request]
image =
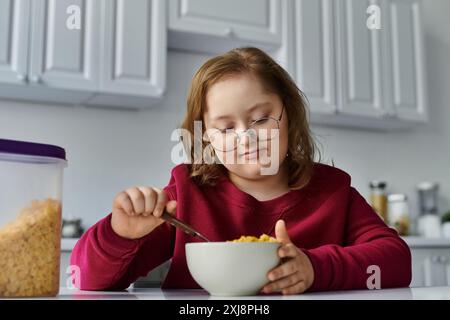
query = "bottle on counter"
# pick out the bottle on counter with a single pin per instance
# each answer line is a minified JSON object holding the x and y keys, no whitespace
{"x":378,"y":198}
{"x":398,"y":213}
{"x":429,"y":222}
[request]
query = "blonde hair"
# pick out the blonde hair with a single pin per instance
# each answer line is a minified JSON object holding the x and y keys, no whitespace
{"x":301,"y":146}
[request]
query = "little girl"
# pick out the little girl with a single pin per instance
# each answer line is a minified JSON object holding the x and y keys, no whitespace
{"x":331,"y":237}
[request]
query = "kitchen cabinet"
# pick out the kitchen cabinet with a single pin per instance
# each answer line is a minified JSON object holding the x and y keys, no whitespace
{"x":431,"y":267}
{"x":14,"y":28}
{"x":360,"y":60}
{"x":356,"y":76}
{"x":134,"y":50}
{"x":155,"y":278}
{"x":216,"y":26}
{"x":62,"y":56}
{"x":430,"y":261}
{"x":314,"y":51}
{"x":406,"y":90}
{"x":81,"y":52}
{"x":67,"y":246}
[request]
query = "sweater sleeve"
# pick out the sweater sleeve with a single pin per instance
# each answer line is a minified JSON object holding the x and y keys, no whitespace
{"x":370,"y":244}
{"x":107,"y":261}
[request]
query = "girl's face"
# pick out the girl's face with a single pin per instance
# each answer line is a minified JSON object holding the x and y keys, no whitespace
{"x":233,"y":105}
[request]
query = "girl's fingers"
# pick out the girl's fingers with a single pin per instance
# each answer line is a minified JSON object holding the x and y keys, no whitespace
{"x":123,"y":201}
{"x":281,"y":232}
{"x":149,"y":200}
{"x":297,"y":288}
{"x":160,"y":203}
{"x":171,"y":206}
{"x":286,"y":269}
{"x":288,"y":251}
{"x":137,"y":199}
{"x":283,"y":283}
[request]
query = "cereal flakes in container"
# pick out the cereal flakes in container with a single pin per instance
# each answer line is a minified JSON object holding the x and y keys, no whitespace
{"x":31,"y":176}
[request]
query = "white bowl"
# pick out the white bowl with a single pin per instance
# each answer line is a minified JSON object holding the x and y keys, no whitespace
{"x":231,"y":269}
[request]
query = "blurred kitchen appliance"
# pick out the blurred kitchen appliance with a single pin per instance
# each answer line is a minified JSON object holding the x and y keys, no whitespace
{"x":71,"y":228}
{"x":428,"y":197}
{"x":429,"y":222}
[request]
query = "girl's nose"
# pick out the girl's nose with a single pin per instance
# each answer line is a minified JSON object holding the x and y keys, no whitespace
{"x":248,"y":139}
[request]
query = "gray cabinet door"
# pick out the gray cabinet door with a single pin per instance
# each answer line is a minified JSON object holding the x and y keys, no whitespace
{"x":360,"y":60}
{"x":134,"y":47}
{"x":405,"y":64}
{"x":14,"y":26}
{"x":64,"y":53}
{"x":249,"y":21}
{"x":315,"y":62}
{"x":431,"y":267}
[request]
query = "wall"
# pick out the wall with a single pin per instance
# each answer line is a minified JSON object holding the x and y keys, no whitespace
{"x":109,"y":150}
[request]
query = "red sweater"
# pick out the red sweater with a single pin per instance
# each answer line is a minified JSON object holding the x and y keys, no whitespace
{"x":328,"y":219}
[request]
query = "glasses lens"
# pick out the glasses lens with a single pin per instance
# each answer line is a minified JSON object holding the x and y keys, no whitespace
{"x":265,"y":128}
{"x":224,"y":141}
{"x":261,"y":130}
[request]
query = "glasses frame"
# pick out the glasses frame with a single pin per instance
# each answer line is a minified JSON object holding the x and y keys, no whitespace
{"x":244,"y":132}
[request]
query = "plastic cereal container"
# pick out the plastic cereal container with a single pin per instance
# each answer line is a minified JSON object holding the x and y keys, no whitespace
{"x":31,"y":176}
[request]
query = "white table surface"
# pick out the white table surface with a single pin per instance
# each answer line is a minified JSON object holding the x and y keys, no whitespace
{"x":423,"y":293}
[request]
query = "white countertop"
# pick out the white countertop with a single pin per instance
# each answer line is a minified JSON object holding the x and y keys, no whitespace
{"x":423,"y":293}
{"x":421,"y":242}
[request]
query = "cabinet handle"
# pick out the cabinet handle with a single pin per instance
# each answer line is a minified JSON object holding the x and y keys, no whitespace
{"x":36,"y":79}
{"x":435,"y":259}
{"x":390,"y":114}
{"x":442,"y":259}
{"x":22,"y":77}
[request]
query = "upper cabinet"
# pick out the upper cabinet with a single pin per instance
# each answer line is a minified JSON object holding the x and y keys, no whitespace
{"x":65,"y":44}
{"x":360,"y":62}
{"x":406,"y":61}
{"x":14,"y":28}
{"x":315,"y":53}
{"x":134,"y":47}
{"x":134,"y":51}
{"x":99,"y":52}
{"x":217,"y":25}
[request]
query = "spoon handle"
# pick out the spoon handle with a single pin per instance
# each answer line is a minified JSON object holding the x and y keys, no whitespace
{"x":183,"y":226}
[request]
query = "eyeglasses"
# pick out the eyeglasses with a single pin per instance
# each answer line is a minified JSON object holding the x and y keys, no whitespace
{"x":263,"y":129}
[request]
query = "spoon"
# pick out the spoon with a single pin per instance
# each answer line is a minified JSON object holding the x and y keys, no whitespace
{"x":183,"y":226}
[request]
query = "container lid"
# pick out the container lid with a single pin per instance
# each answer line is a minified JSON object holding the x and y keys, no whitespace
{"x":32,"y":149}
{"x":377,"y":184}
{"x":426,"y":186}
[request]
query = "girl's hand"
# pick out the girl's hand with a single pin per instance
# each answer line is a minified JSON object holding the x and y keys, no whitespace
{"x":137,"y":211}
{"x":296,"y":274}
